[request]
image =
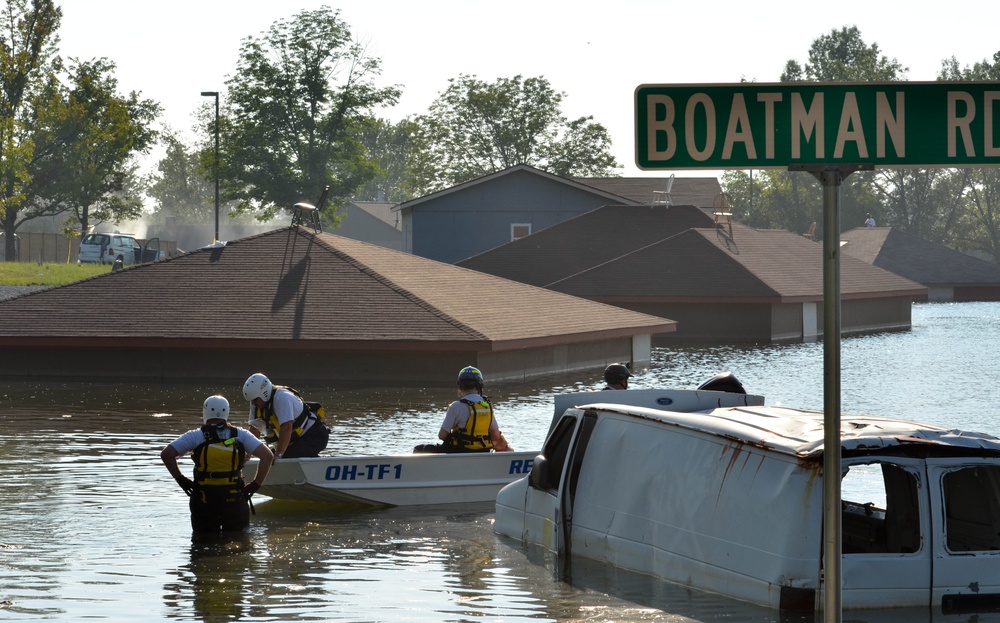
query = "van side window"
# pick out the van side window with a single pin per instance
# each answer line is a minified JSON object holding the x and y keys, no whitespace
{"x":556,"y":449}
{"x":972,"y":517}
{"x":881,"y":512}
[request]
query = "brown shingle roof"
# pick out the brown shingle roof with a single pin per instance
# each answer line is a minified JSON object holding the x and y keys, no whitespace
{"x":917,"y":259}
{"x":709,"y":264}
{"x":318,"y":290}
{"x":585,"y":241}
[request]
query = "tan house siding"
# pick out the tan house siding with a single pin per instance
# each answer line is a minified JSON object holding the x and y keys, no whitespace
{"x":786,"y":322}
{"x":878,"y":314}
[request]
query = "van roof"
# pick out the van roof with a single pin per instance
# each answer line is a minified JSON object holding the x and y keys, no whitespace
{"x":799,"y":432}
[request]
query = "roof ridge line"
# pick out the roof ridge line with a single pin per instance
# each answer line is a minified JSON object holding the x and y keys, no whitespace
{"x":395,"y":287}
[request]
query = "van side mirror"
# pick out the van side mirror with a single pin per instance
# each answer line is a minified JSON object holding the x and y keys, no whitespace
{"x":538,"y":477}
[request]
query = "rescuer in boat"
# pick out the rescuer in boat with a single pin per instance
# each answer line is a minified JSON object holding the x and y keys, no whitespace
{"x":616,"y":376}
{"x":293,"y":426}
{"x":219,"y":496}
{"x":469,"y":425}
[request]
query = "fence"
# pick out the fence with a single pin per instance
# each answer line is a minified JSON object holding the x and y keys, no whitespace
{"x":56,"y":248}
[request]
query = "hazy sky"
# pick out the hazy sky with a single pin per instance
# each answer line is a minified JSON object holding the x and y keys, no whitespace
{"x":596,"y":53}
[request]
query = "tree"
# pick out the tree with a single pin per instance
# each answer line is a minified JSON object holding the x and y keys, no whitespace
{"x":982,"y":189}
{"x":27,"y":59}
{"x":475,"y":128}
{"x":86,"y":157}
{"x":180,"y":187}
{"x":794,"y":200}
{"x":296,"y":106}
{"x":67,"y":139}
{"x":391,"y":146}
{"x":843,"y":56}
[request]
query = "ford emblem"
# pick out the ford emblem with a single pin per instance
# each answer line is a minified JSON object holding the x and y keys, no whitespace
{"x":664,"y":401}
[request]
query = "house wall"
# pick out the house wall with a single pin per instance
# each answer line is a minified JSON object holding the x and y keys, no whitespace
{"x":591,"y":357}
{"x":779,"y":322}
{"x":722,"y":322}
{"x":477,"y":218}
{"x":787,"y":322}
{"x":357,"y":224}
{"x":976,"y":293}
{"x":230,"y":367}
{"x":878,"y":314}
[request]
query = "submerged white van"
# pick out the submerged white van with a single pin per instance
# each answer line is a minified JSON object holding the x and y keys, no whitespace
{"x":730,"y":500}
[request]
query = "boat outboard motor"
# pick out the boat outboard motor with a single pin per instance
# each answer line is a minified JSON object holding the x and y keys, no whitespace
{"x":723,"y":382}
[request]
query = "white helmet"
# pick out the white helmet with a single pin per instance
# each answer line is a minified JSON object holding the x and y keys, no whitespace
{"x":258,"y":386}
{"x":215,"y":408}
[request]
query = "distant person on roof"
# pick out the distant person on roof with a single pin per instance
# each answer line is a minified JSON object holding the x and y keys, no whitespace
{"x":870,"y":222}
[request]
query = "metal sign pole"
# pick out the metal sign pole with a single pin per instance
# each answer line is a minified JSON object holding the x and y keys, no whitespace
{"x":831,"y":177}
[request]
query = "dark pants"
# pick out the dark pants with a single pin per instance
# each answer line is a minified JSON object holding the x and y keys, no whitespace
{"x":311,"y":443}
{"x":219,"y":509}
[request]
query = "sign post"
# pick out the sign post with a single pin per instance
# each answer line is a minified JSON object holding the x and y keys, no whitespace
{"x":830,"y":130}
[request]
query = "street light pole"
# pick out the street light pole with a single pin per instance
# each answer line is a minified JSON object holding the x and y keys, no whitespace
{"x":215,"y":94}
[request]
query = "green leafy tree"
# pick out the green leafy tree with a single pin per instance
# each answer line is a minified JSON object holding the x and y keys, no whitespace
{"x":27,"y":60}
{"x":794,"y":200}
{"x":181,"y":188}
{"x":475,"y":128}
{"x":982,"y":189}
{"x":843,"y":56}
{"x":67,"y":139}
{"x":295,"y":109}
{"x":86,"y":155}
{"x":391,"y":146}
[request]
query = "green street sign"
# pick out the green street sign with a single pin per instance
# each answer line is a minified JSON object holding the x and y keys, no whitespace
{"x":754,"y":126}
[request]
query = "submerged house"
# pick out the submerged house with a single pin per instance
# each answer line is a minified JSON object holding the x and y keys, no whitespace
{"x":484,"y":213}
{"x":309,"y":307}
{"x":720,"y":281}
{"x":949,"y":275}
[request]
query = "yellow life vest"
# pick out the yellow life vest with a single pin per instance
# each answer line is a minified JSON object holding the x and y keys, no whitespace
{"x":309,"y":409}
{"x":218,"y":461}
{"x":475,"y":435}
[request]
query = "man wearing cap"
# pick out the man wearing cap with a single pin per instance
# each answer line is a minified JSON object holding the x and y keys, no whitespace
{"x":219,"y":497}
{"x":616,"y":376}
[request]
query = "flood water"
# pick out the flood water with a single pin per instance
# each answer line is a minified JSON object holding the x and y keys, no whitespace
{"x":93,"y":528}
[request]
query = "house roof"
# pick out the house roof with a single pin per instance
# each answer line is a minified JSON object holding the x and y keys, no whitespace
{"x":921,"y":260}
{"x":585,"y":241}
{"x":750,"y":264}
{"x":298,"y":289}
{"x":697,"y":191}
{"x":519,"y":169}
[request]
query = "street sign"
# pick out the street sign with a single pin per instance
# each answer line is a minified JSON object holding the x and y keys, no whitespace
{"x":755,"y":125}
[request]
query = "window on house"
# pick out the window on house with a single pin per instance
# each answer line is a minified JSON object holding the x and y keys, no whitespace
{"x":519,"y":230}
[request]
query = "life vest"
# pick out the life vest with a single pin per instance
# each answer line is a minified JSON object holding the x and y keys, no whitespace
{"x":475,"y":435}
{"x":218,"y":461}
{"x":309,"y":409}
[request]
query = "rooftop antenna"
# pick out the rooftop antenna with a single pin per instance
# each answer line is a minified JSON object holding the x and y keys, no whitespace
{"x":308,"y":214}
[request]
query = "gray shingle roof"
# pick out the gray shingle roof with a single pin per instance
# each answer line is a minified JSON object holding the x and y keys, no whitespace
{"x":317,"y":290}
{"x":585,"y":241}
{"x":696,"y":191}
{"x":917,"y":259}
{"x":707,"y":263}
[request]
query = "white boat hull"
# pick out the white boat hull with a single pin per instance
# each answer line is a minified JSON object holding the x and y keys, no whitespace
{"x":395,"y":480}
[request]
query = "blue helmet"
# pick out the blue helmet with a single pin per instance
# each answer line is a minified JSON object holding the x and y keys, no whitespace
{"x":468,"y":373}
